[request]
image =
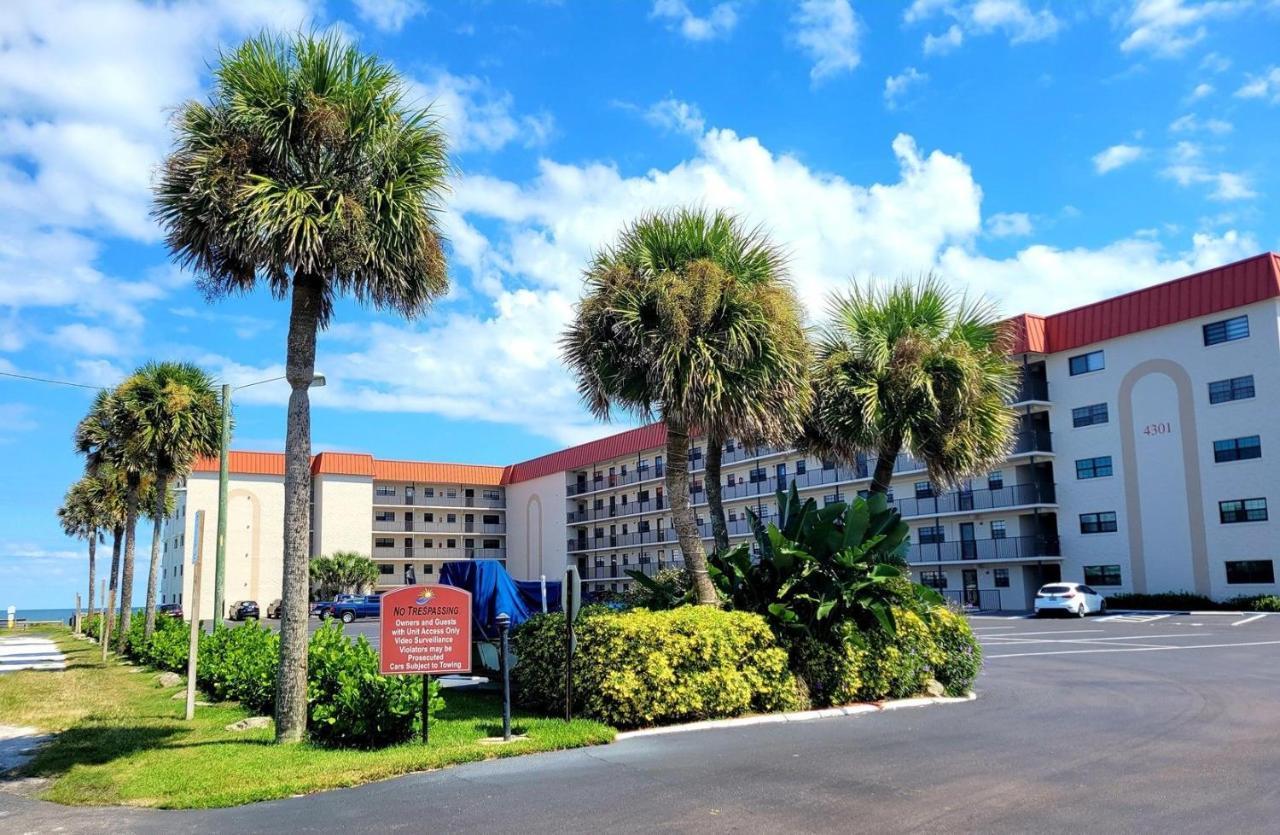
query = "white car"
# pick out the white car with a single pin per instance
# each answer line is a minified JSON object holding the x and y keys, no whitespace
{"x":1069,"y":599}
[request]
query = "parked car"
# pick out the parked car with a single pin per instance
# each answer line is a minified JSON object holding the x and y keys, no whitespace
{"x":357,"y":606}
{"x":273,"y":609}
{"x":321,"y":607}
{"x":1069,"y":599}
{"x":173,"y":610}
{"x":244,"y":610}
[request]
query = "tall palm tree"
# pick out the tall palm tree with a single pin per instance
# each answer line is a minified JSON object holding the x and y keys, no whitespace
{"x":913,"y":366}
{"x":108,"y":496}
{"x":678,"y":320}
{"x":177,"y":416}
{"x":309,"y":171}
{"x":102,"y":436}
{"x":81,"y":517}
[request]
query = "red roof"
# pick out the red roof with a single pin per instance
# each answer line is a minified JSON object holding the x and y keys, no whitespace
{"x":438,"y":473}
{"x":244,"y":463}
{"x":343,"y":463}
{"x":576,"y":457}
{"x":1221,"y":288}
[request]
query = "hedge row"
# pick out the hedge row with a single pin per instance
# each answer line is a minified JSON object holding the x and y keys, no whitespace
{"x":350,"y":704}
{"x":1186,"y":601}
{"x":644,"y":667}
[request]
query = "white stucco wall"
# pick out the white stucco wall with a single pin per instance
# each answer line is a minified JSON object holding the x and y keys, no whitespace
{"x":343,"y":514}
{"x":536,"y":533}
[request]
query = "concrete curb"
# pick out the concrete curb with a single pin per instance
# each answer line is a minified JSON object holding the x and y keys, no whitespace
{"x":799,"y":716}
{"x":1198,"y":612}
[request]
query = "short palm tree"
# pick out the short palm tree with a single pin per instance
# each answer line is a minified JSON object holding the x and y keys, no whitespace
{"x":343,"y":572}
{"x":81,"y":517}
{"x":308,"y":171}
{"x":912,"y":366}
{"x":177,"y":417}
{"x":107,"y":494}
{"x":680,"y":318}
{"x":102,"y":436}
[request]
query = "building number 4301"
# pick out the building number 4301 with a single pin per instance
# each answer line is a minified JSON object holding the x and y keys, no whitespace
{"x":1158,"y":429}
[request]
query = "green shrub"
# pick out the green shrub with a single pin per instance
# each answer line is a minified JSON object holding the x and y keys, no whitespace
{"x":667,"y":589}
{"x":169,"y":645}
{"x":93,"y":626}
{"x":1177,"y":600}
{"x":830,"y":672}
{"x":240,"y":664}
{"x":959,"y":653}
{"x":898,"y":665}
{"x":643,"y":667}
{"x":1255,"y":603}
{"x":350,"y":704}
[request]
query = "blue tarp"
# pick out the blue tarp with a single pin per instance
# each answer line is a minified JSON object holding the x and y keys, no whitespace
{"x":493,"y":591}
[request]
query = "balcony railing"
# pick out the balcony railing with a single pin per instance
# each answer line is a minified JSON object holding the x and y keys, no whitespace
{"x":960,"y":501}
{"x":1010,"y":548}
{"x":618,"y":571}
{"x":485,"y":527}
{"x":1032,"y":388}
{"x":442,"y":501}
{"x":1032,"y":440}
{"x":614,"y":511}
{"x":485,"y":553}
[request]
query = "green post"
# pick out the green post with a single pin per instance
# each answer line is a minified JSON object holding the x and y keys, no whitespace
{"x":220,"y":557}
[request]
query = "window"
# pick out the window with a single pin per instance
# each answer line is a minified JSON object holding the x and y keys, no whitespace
{"x":428,"y":543}
{"x":490,"y":543}
{"x":800,"y":466}
{"x":1237,"y":388}
{"x":1102,"y":575}
{"x":1089,"y":415}
{"x":494,"y":494}
{"x":429,"y":491}
{"x":384,"y":542}
{"x":924,"y":490}
{"x":931,"y":535}
{"x":933,"y":579}
{"x":1093,"y":467}
{"x":830,"y":498}
{"x":384,"y":490}
{"x":450,"y":518}
{"x":995,"y":480}
{"x":1251,"y":571}
{"x":490,"y":519}
{"x":998,"y":530}
{"x":451,"y":543}
{"x":1228,"y":330}
{"x":757,"y":475}
{"x":451,"y":493}
{"x":1084,"y":363}
{"x":428,"y":517}
{"x":386,"y":568}
{"x":385,"y":516}
{"x":1104,"y":522}
{"x":828,"y":463}
{"x":1237,"y":449}
{"x":1001,"y":577}
{"x":1242,"y":510}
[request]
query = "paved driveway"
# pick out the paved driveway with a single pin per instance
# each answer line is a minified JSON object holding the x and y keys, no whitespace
{"x":1118,"y":724}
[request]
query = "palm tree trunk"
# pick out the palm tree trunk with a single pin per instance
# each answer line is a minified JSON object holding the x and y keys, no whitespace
{"x":719,"y":528}
{"x":93,"y":569}
{"x":153,"y":577}
{"x":126,"y":569}
{"x":108,"y":613}
{"x":682,"y":518}
{"x":300,"y":361}
{"x":888,"y":456}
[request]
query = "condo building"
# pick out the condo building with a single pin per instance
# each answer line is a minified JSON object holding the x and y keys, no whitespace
{"x":1137,"y":466}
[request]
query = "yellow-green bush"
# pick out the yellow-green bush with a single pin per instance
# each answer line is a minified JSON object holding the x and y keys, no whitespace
{"x":646,"y":668}
{"x":960,"y":654}
{"x":831,"y":675}
{"x":898,"y":666}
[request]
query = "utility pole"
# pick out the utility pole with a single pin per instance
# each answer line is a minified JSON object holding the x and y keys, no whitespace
{"x":220,"y":556}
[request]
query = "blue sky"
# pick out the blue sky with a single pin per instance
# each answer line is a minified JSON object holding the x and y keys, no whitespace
{"x":1042,"y":152}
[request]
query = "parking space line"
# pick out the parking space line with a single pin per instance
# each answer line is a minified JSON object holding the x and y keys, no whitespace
{"x":1130,"y":649}
{"x":990,"y":628}
{"x":1250,"y":619}
{"x":1011,"y":640}
{"x":1050,"y":632}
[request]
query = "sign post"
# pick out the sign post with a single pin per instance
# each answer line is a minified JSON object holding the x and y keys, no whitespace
{"x":193,"y":646}
{"x":570,"y":602}
{"x":425,"y":630}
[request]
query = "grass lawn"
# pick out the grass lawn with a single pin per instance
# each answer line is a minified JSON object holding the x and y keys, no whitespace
{"x":122,"y":740}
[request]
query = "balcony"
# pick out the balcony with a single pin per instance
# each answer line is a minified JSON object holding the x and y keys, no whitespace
{"x":746,"y":453}
{"x":1010,"y":548}
{"x":441,"y":501}
{"x":614,"y":571}
{"x":490,"y":527}
{"x":577,"y":517}
{"x":973,"y":501}
{"x":1032,"y":389}
{"x":1032,"y":441}
{"x":606,"y":482}
{"x":485,"y":553}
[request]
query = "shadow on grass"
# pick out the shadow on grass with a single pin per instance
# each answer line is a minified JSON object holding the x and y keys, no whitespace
{"x":95,"y":745}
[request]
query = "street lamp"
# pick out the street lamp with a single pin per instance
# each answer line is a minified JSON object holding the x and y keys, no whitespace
{"x":220,"y":560}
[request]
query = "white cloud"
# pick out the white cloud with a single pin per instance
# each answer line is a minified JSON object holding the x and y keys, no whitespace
{"x":678,"y":116}
{"x":1187,"y":168}
{"x":1009,"y":225}
{"x":829,"y":32}
{"x":1263,"y":86}
{"x":1115,"y":157}
{"x":16,"y":417}
{"x":33,"y":551}
{"x":944,"y":43}
{"x":85,"y":339}
{"x":1200,"y":91}
{"x":1215,"y":63}
{"x":388,"y":15}
{"x":1167,"y":28}
{"x":1190,"y":123}
{"x":718,"y":22}
{"x":1013,"y":18}
{"x":475,"y":116}
{"x":896,"y":86}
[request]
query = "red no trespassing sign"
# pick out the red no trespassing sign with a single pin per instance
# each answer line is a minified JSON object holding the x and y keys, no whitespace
{"x":426,"y":629}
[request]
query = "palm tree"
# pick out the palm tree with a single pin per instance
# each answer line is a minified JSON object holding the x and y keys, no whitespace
{"x":310,"y":172}
{"x":343,"y":572}
{"x":102,"y":436}
{"x":177,"y":417}
{"x":108,"y":497}
{"x":81,"y":517}
{"x":678,"y":320}
{"x":913,"y":366}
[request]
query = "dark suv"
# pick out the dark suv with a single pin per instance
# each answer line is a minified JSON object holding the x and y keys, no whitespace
{"x":173,"y":610}
{"x":244,"y":610}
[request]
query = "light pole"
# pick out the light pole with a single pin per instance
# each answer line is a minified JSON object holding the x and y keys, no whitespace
{"x":220,"y":558}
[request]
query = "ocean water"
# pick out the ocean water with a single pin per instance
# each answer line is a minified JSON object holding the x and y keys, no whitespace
{"x":63,"y":615}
